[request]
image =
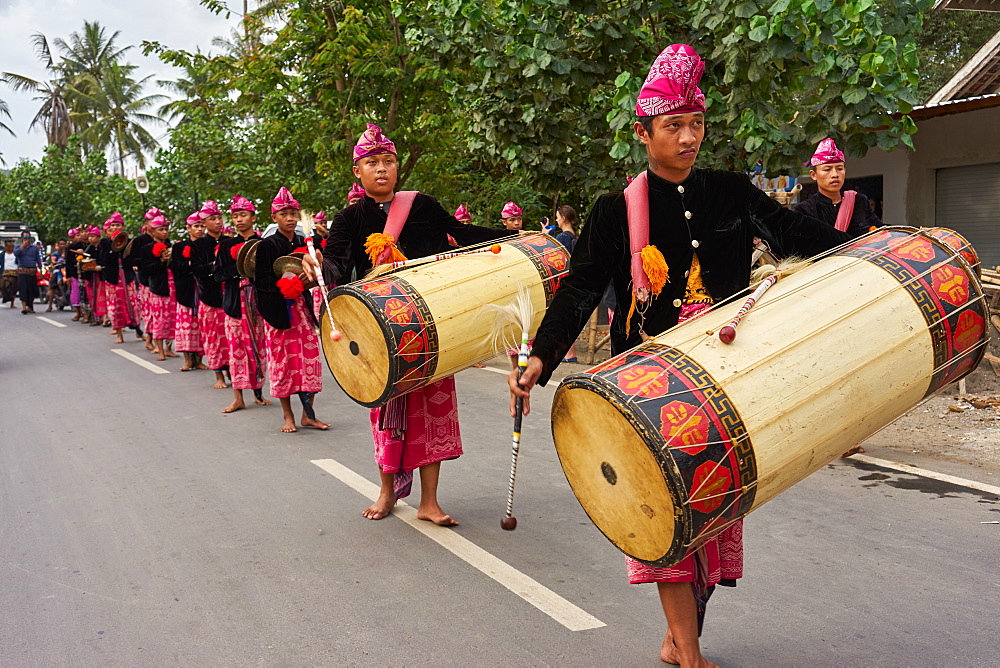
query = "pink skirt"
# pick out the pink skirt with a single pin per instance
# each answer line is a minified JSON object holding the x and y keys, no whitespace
{"x":722,"y":559}
{"x":98,"y":297}
{"x":143,"y":295}
{"x":243,"y":368}
{"x":431,"y":435}
{"x":211,"y":321}
{"x":117,"y":305}
{"x":162,"y":314}
{"x":74,"y":292}
{"x":293,"y":357}
{"x":187,"y":335}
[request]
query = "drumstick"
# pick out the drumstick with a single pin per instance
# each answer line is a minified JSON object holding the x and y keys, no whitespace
{"x":381,"y":269}
{"x":307,"y":224}
{"x":728,"y":332}
{"x":509,"y":522}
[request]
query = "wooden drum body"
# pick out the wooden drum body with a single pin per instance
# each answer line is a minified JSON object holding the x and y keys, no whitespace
{"x":404,"y":330}
{"x":667,"y":444}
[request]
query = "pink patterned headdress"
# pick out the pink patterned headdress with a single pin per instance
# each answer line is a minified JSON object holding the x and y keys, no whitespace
{"x":210,"y":208}
{"x":95,"y":230}
{"x":116,"y":217}
{"x":72,"y":232}
{"x":356,"y":192}
{"x":461,"y":213}
{"x":510,"y":210}
{"x":826,"y":153}
{"x":320,"y":217}
{"x":373,"y":142}
{"x":158,"y":221}
{"x":152,"y":213}
{"x":284,"y":200}
{"x":241,"y":204}
{"x":671,"y":86}
{"x":195,"y":217}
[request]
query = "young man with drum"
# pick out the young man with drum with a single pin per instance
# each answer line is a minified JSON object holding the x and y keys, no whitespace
{"x":700,"y":228}
{"x":418,"y":429}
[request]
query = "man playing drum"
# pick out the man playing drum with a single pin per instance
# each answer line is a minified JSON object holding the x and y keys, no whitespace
{"x":703,"y":222}
{"x":418,"y":429}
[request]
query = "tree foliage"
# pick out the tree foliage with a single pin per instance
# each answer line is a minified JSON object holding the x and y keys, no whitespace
{"x":947,"y":40}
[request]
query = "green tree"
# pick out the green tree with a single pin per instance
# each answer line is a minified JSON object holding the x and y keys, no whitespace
{"x":117,"y":110}
{"x":53,"y":117}
{"x":947,"y":40}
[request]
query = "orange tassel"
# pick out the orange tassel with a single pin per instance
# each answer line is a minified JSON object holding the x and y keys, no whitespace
{"x":378,"y":243}
{"x":654,"y":265}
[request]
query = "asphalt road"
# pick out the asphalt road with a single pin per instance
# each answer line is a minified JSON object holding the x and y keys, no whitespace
{"x":139,"y":526}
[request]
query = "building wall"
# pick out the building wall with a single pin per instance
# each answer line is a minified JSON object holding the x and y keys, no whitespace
{"x":968,"y":138}
{"x":892,"y":166}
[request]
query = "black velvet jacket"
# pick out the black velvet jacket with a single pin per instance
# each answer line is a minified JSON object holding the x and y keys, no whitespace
{"x":203,"y":266}
{"x":821,"y":207}
{"x":155,"y":270}
{"x":108,"y":259}
{"x":183,"y":276}
{"x":226,"y":273}
{"x":133,"y":256}
{"x":425,"y":233}
{"x":270,"y":301}
{"x":727,"y":213}
{"x":72,"y":268}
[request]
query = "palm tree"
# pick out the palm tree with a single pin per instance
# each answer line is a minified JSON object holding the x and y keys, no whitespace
{"x":5,"y":111}
{"x":117,"y":110}
{"x":53,"y":116}
{"x":89,"y":52}
{"x":194,"y":89}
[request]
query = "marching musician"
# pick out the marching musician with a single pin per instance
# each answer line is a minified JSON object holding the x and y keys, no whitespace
{"x":701,"y":224}
{"x":114,"y":277}
{"x":211,"y":318}
{"x":849,"y":211}
{"x":141,"y":279}
{"x":294,"y":363}
{"x":418,"y":429}
{"x":244,"y":329}
{"x":154,"y":261}
{"x":73,"y":252}
{"x":187,"y":334}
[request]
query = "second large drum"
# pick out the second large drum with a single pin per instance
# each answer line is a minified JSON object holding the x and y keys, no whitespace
{"x":404,"y":330}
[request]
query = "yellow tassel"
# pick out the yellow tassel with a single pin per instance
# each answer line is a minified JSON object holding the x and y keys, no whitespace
{"x":377,"y":243}
{"x":654,"y":265}
{"x":628,"y":320}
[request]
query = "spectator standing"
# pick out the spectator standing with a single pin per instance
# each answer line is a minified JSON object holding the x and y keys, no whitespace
{"x":8,"y":283}
{"x":29,"y":261}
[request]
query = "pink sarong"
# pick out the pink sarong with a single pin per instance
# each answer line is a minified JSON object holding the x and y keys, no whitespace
{"x":721,"y":558}
{"x":162,"y":313}
{"x":243,"y":367}
{"x":187,"y":335}
{"x":211,"y":321}
{"x":74,"y":292}
{"x":98,"y":297}
{"x":293,"y":355}
{"x":117,"y":304}
{"x":144,"y":294}
{"x":431,"y":435}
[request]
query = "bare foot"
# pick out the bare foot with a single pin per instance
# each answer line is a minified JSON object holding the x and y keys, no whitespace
{"x":149,"y":346}
{"x":155,"y":351}
{"x":856,"y":450}
{"x":381,"y":508}
{"x":289,"y":426}
{"x":186,"y":367}
{"x":201,"y":367}
{"x":220,"y":385}
{"x":261,"y":402}
{"x":315,"y":424}
{"x":120,"y":339}
{"x":237,"y":405}
{"x":668,"y":650}
{"x":433,"y":513}
{"x":170,"y":353}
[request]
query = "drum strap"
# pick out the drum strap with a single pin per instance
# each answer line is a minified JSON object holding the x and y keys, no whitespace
{"x":647,"y":265}
{"x":846,"y":210}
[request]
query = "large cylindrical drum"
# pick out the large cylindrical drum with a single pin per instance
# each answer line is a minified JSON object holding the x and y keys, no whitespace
{"x":668,"y":443}
{"x":404,"y":330}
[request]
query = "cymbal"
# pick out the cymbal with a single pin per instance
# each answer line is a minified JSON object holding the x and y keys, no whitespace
{"x":246,"y":259}
{"x":128,"y":248}
{"x":293,"y":264}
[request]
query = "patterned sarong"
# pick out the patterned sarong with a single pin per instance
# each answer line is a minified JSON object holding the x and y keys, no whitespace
{"x":211,"y":321}
{"x":118,"y":303}
{"x":293,"y":356}
{"x":242,"y":360}
{"x":162,"y":313}
{"x":187,"y":335}
{"x":431,"y":434}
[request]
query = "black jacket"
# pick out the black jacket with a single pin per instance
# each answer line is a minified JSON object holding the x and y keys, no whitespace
{"x":133,"y":256}
{"x":821,"y":207}
{"x":226,"y":273}
{"x":155,"y":269}
{"x":727,"y":213}
{"x":108,"y":259}
{"x":270,"y":302}
{"x":425,"y":233}
{"x":203,"y":266}
{"x":180,"y":266}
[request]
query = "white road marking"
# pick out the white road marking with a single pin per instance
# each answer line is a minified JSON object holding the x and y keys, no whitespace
{"x":493,"y":369}
{"x":543,"y":598}
{"x":50,"y":321}
{"x":934,"y":475}
{"x":146,"y":364}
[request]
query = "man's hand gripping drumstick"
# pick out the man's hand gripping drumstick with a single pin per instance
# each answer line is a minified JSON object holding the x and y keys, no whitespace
{"x":523,"y":391}
{"x":313,"y":271}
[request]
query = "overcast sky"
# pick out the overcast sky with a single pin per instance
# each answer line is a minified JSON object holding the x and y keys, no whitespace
{"x":178,"y":24}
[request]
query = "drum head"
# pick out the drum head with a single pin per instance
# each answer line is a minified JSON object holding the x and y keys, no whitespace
{"x":614,"y":474}
{"x":359,"y":361}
